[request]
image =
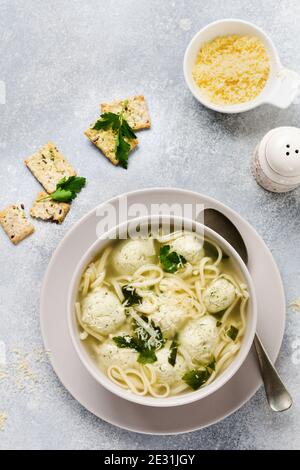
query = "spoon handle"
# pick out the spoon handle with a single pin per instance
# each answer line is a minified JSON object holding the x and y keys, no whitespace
{"x":278,"y":397}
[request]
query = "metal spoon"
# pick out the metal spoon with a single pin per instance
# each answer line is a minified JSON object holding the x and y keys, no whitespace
{"x":278,"y":397}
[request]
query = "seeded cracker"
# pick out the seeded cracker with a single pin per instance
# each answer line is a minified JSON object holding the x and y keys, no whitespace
{"x":135,"y":111}
{"x":49,"y":166}
{"x":105,"y":140}
{"x":50,"y":210}
{"x":15,"y":223}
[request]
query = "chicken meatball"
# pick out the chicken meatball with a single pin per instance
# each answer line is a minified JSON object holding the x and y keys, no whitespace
{"x":166,"y":373}
{"x":219,"y":295}
{"x":199,"y":337}
{"x":110,"y":354}
{"x":102,"y":311}
{"x":132,"y":255}
{"x":170,"y":317}
{"x":188,"y":246}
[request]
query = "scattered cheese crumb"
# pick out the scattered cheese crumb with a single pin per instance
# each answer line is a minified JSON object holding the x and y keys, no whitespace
{"x":83,"y":336}
{"x":21,"y":375}
{"x":185,"y":24}
{"x":3,"y":375}
{"x":232,"y":69}
{"x":25,"y":377}
{"x":295,"y":304}
{"x":3,"y":419}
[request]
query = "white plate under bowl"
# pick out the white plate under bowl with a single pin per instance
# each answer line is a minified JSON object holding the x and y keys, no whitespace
{"x":138,"y":418}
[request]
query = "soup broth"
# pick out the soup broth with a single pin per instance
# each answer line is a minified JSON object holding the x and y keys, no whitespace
{"x":162,"y":316}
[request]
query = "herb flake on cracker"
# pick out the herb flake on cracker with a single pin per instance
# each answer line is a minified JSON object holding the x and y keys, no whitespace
{"x":49,"y":166}
{"x":48,"y":209}
{"x":135,"y":111}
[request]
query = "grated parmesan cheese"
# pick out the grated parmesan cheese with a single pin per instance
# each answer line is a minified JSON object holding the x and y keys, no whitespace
{"x":295,"y":304}
{"x":3,"y":375}
{"x":25,"y":376}
{"x":3,"y":419}
{"x":153,"y":341}
{"x":232,"y":69}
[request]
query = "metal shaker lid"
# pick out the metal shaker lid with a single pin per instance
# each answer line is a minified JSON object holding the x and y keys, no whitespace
{"x":282,"y":151}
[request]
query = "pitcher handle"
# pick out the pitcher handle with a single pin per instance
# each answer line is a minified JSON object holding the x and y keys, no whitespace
{"x":287,"y":88}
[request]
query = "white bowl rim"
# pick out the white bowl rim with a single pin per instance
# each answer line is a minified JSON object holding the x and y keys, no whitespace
{"x":177,"y":400}
{"x":227,"y":109}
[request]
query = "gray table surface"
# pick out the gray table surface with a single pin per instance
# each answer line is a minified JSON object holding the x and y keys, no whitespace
{"x":58,"y":61}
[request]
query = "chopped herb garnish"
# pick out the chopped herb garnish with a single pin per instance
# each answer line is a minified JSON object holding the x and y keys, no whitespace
{"x":125,"y":342}
{"x":141,"y":341}
{"x":232,"y":332}
{"x":135,"y":324}
{"x":219,"y":315}
{"x":173,"y":351}
{"x":144,"y":335}
{"x":147,"y":356}
{"x":195,"y":378}
{"x":66,"y":189}
{"x":131,"y":296}
{"x":170,"y":261}
{"x":123,"y":131}
{"x":211,"y":251}
{"x":212,"y":364}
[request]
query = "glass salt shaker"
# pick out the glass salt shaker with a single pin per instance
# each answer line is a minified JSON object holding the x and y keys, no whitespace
{"x":276,"y":160}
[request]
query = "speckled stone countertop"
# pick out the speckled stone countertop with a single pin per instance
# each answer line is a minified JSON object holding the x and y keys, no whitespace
{"x":58,"y":61}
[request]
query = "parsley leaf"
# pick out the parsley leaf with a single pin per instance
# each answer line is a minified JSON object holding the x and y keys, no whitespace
{"x":140,"y":342}
{"x":159,"y":335}
{"x":143,"y":335}
{"x":232,"y":332}
{"x":212,"y":364}
{"x":173,"y":351}
{"x":61,"y":195}
{"x":125,"y":342}
{"x":123,"y":131}
{"x":147,"y":356}
{"x":170,"y":261}
{"x":66,"y":189}
{"x":195,"y":378}
{"x":131,"y":296}
{"x":122,"y":150}
{"x":107,"y":121}
{"x":73,"y":184}
{"x":219,"y":315}
{"x":127,"y":130}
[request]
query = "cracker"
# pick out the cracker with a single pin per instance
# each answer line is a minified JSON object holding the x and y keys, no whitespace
{"x":50,"y":210}
{"x":105,"y":140}
{"x":49,"y":166}
{"x":15,"y":223}
{"x":136,"y":111}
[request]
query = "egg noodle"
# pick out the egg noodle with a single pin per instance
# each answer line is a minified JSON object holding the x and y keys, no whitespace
{"x":187,"y":305}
